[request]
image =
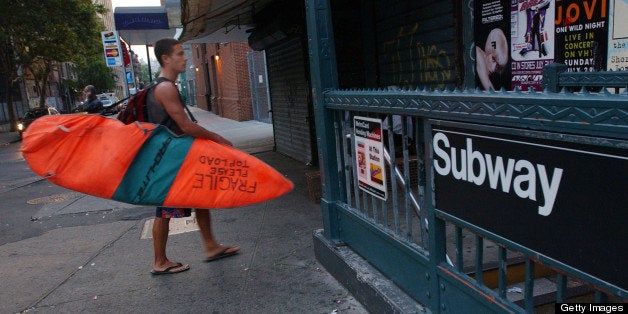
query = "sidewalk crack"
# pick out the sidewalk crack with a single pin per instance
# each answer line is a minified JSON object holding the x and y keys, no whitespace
{"x":35,"y":304}
{"x":255,"y":247}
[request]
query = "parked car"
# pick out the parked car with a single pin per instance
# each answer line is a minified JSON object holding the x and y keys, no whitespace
{"x":108,"y":107}
{"x":33,"y":114}
{"x":110,"y":96}
{"x":78,"y":109}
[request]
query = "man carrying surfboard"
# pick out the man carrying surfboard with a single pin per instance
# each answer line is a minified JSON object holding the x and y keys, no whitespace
{"x":165,"y":107}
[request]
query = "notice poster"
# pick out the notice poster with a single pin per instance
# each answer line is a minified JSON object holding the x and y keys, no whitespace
{"x":492,"y":52}
{"x":532,"y":38}
{"x":581,"y":29}
{"x":111,"y":46}
{"x":369,"y":154}
{"x":618,"y":36}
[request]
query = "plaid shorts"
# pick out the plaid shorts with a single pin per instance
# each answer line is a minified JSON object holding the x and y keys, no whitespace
{"x":170,"y":212}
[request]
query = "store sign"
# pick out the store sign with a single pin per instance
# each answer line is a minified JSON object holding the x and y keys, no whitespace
{"x":369,"y":154}
{"x":565,"y":200}
{"x":141,"y":20}
{"x":111,"y":46}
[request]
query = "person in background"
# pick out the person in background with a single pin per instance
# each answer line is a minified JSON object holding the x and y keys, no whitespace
{"x":92,"y":104}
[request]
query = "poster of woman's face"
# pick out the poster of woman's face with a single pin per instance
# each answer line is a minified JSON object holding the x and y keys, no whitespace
{"x":492,"y":47}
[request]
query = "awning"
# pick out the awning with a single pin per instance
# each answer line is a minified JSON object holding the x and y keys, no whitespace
{"x":214,"y":21}
{"x":144,"y":25}
{"x":224,"y":35}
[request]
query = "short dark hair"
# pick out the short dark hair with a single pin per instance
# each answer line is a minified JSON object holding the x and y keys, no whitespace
{"x":163,"y":47}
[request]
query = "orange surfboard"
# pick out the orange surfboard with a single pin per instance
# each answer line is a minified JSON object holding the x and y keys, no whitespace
{"x":146,"y":164}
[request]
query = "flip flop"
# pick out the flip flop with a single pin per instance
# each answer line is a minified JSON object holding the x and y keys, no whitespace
{"x":171,"y":270}
{"x":223,"y":254}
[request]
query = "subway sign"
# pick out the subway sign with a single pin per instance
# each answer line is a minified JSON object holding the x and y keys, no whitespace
{"x":568,"y":201}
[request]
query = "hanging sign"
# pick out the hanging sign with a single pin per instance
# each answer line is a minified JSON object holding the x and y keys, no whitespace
{"x":369,"y":154}
{"x":111,"y":46}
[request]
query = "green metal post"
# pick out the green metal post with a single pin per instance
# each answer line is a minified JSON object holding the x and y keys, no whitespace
{"x":469,"y":43}
{"x":551,"y":72}
{"x":436,"y":231}
{"x":324,"y":77}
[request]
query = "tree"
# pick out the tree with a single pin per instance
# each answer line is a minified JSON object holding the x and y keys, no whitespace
{"x":69,"y":31}
{"x":143,"y":77}
{"x":39,"y":34}
{"x":96,"y":72}
{"x":10,"y":29}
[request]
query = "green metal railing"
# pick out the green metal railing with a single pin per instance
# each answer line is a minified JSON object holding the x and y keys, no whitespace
{"x":408,"y":217}
{"x":441,"y":259}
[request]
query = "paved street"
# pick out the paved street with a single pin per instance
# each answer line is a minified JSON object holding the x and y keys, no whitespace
{"x":76,"y":253}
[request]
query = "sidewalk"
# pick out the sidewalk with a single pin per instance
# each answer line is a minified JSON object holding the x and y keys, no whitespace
{"x":249,"y":136}
{"x":105,"y":268}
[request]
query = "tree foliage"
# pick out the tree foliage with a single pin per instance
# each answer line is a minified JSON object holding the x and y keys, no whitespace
{"x":9,"y":62}
{"x":37,"y":35}
{"x":144,"y":73}
{"x":95,"y":72}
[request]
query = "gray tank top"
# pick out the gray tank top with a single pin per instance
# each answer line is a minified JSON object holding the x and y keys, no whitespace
{"x":156,"y":112}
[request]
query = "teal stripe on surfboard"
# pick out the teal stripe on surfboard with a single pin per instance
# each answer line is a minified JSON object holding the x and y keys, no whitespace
{"x":150,"y":175}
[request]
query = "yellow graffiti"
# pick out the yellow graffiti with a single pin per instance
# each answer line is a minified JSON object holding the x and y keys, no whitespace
{"x":410,"y":63}
{"x":434,"y":64}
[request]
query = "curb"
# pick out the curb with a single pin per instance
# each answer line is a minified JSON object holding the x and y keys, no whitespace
{"x":9,"y":138}
{"x":367,"y":285}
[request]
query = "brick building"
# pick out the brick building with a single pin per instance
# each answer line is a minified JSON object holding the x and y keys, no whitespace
{"x":222,"y":78}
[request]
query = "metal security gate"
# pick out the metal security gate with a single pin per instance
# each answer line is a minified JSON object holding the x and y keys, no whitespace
{"x":397,"y":43}
{"x":259,"y":86}
{"x":495,"y":200}
{"x":289,"y":95}
{"x":19,"y":107}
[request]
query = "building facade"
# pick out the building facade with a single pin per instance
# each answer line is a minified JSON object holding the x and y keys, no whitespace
{"x":222,"y":79}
